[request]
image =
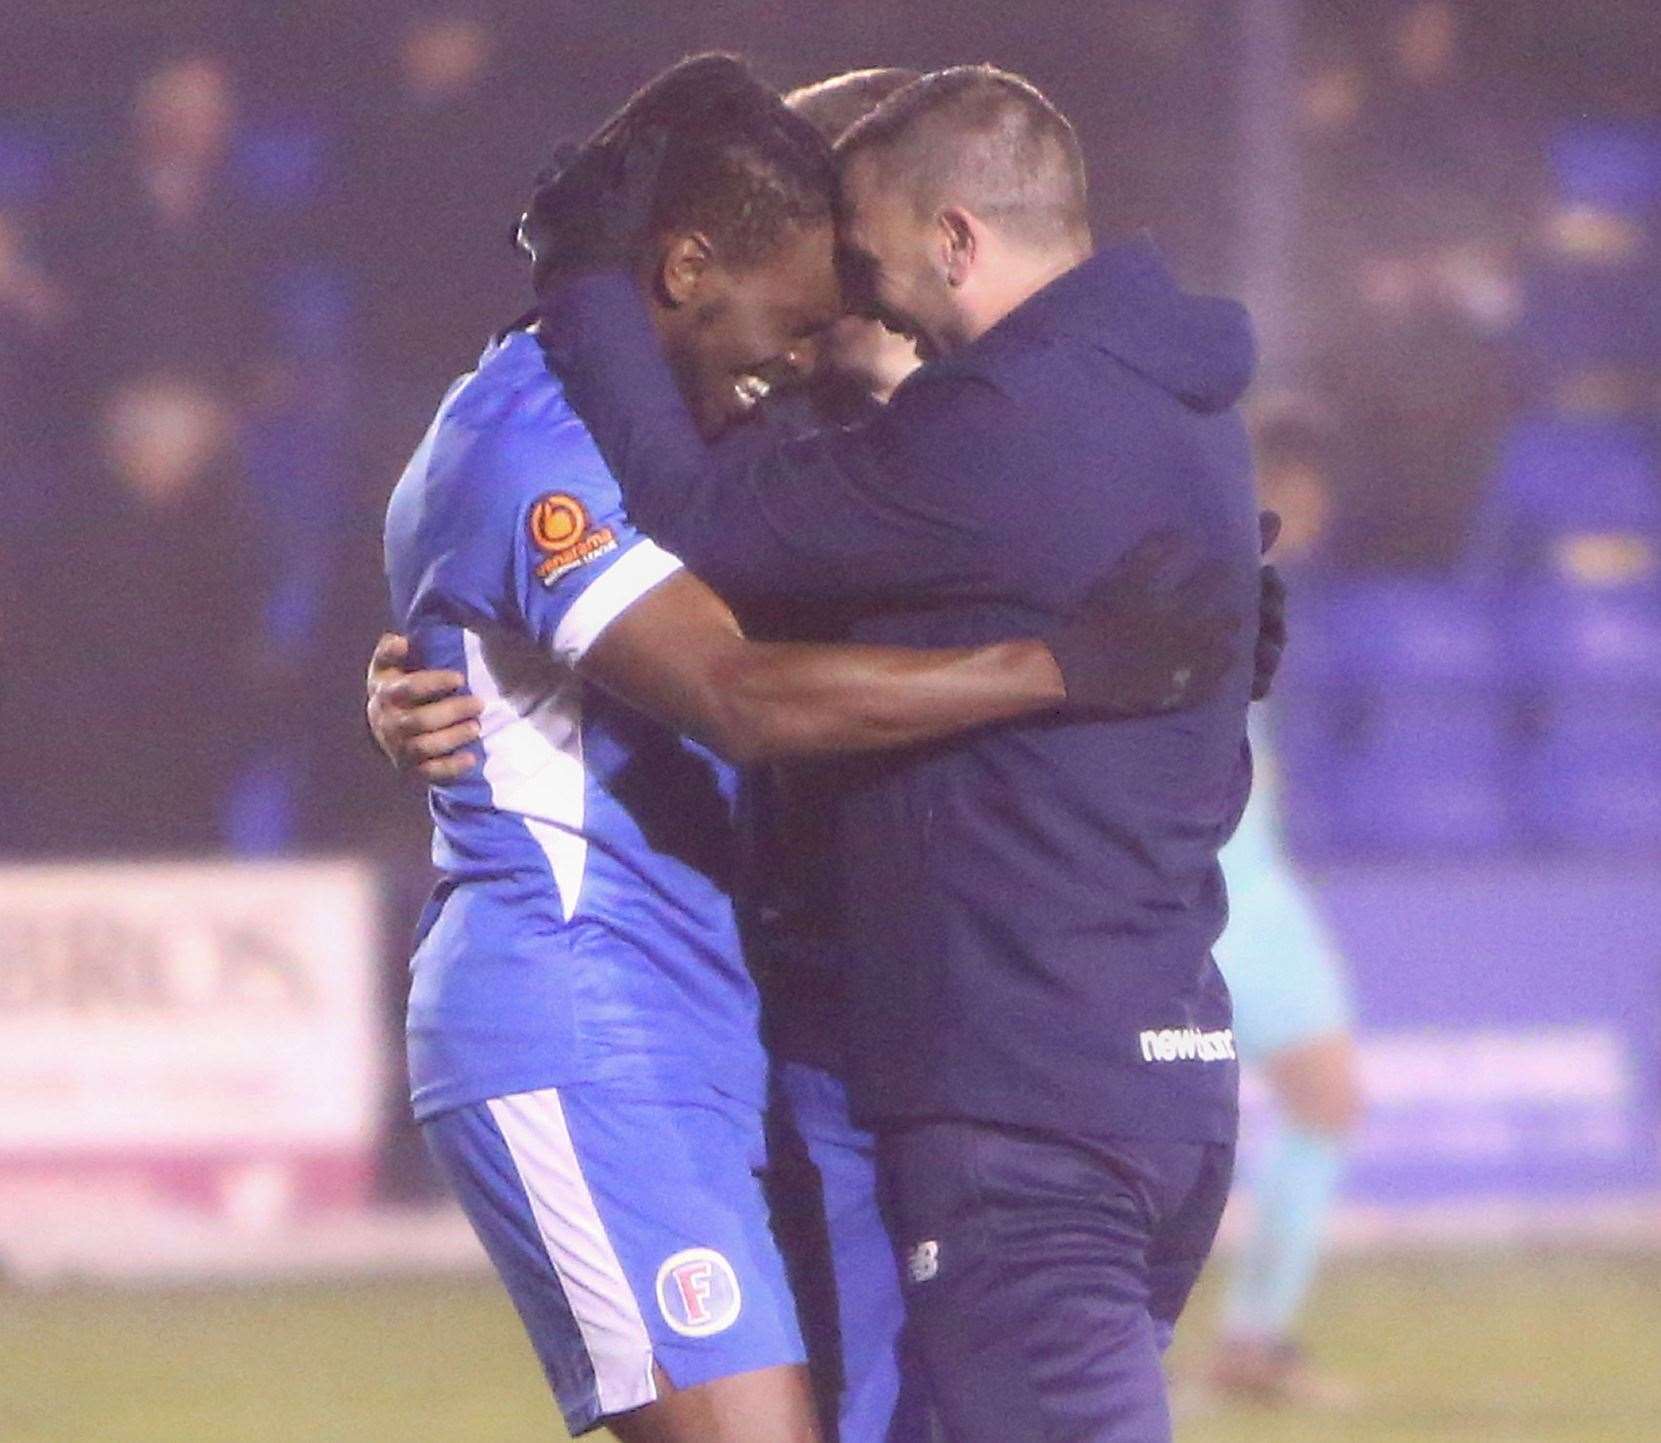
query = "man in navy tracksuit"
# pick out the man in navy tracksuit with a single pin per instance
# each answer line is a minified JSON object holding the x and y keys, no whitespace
{"x":1036,"y":1027}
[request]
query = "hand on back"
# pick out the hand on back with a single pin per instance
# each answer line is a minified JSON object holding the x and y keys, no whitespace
{"x":1146,"y":642}
{"x":419,"y":719}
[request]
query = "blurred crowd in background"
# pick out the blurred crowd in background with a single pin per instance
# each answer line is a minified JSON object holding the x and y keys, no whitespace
{"x":241,"y":258}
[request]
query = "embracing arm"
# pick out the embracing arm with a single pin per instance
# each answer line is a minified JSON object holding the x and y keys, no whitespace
{"x":678,"y":655}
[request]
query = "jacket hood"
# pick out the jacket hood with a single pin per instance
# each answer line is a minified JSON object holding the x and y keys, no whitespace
{"x":1125,"y":301}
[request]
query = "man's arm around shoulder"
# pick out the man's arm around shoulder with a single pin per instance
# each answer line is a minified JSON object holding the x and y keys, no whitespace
{"x":679,"y":655}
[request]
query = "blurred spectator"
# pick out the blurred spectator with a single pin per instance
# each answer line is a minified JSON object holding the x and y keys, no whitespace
{"x":161,"y":260}
{"x":33,"y":305}
{"x":182,"y":127}
{"x":444,"y":57}
{"x":163,"y":560}
{"x":1418,"y":387}
{"x":1415,"y":163}
{"x":160,"y":436}
{"x":160,"y":264}
{"x":1425,"y":43}
{"x":441,"y":161}
{"x":1311,"y":713}
{"x":35,"y":336}
{"x":164,"y":252}
{"x":34,"y":383}
{"x":1332,"y":95}
{"x":1294,"y":479}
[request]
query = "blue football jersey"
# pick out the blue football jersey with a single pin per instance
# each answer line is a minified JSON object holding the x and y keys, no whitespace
{"x":583,"y":929}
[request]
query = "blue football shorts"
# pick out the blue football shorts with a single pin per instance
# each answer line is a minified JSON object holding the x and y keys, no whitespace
{"x":632,"y":1234}
{"x":843,"y":1262}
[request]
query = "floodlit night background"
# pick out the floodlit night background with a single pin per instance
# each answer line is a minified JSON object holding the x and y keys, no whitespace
{"x":243,"y":249}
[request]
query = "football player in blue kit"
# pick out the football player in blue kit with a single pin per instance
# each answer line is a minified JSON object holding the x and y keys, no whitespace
{"x":584,"y":1047}
{"x":822,"y":1169}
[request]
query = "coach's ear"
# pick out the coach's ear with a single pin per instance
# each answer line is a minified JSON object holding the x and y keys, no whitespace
{"x":956,"y":240}
{"x":682,"y":266}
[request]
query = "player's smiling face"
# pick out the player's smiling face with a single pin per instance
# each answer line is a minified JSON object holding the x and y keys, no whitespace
{"x":732,"y":333}
{"x":890,"y":260}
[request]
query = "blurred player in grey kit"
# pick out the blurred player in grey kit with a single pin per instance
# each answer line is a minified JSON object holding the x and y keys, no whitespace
{"x":1291,"y":1011}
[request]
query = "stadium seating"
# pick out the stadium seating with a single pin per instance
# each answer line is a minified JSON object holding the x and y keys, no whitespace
{"x":26,"y":164}
{"x":1312,"y":719}
{"x":1591,"y":663}
{"x":1609,"y":165}
{"x":1575,"y":501}
{"x":1399,"y":742}
{"x":1591,"y":298}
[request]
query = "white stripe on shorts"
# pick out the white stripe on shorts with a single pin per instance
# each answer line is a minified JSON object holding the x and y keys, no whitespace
{"x":596,"y":1287}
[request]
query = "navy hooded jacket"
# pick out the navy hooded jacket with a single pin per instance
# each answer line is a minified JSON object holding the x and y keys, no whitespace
{"x":1029,"y":910}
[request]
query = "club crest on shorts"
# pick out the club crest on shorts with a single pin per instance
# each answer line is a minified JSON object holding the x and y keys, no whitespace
{"x":697,"y":1292}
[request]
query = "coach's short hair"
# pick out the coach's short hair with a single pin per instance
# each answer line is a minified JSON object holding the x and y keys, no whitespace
{"x":738,"y":164}
{"x":984,"y":139}
{"x":832,"y":105}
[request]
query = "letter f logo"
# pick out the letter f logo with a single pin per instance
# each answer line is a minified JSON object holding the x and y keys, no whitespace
{"x":698,"y":1293}
{"x":694,"y":1282}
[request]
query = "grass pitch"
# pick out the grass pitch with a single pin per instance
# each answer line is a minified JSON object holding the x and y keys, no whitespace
{"x":1536,"y":1349}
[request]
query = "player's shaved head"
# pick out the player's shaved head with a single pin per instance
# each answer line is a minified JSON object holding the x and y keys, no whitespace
{"x":832,"y":106}
{"x":983,"y":139}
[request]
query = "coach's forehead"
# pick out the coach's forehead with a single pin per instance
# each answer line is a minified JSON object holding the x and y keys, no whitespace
{"x":861,"y":175}
{"x":870,"y":197}
{"x":879,"y":214}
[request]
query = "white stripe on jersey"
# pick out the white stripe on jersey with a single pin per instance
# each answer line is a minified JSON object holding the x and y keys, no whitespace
{"x":609,"y":595}
{"x":596,"y":1287}
{"x":531,"y":727}
{"x":531,"y":734}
